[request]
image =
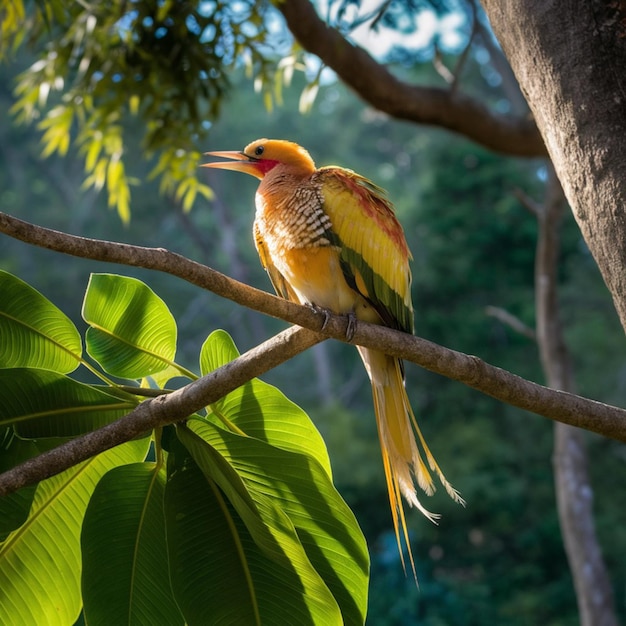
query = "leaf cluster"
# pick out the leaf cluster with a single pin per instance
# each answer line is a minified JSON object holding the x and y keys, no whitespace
{"x":230,"y":515}
{"x":101,"y":66}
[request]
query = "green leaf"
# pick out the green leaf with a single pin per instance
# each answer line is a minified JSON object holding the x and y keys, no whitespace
{"x":125,"y":568}
{"x":40,"y":562}
{"x":330,"y":533}
{"x":41,"y":403}
{"x":14,"y":508}
{"x":133,"y":333}
{"x":261,"y":410}
{"x":209,"y":576}
{"x":267,"y":567}
{"x":34,"y":332}
{"x":302,"y":489}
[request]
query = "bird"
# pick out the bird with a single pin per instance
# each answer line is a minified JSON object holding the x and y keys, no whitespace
{"x":329,"y":238}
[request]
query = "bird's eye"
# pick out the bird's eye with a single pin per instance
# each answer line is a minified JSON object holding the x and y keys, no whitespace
{"x":258,"y":151}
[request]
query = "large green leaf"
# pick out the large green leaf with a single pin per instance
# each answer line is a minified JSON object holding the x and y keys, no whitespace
{"x":125,"y":565}
{"x":40,"y":562}
{"x":272,"y":574}
{"x":261,"y":410}
{"x":301,"y":488}
{"x":210,"y":578}
{"x":34,"y":332}
{"x":41,"y":403}
{"x":132,"y":333}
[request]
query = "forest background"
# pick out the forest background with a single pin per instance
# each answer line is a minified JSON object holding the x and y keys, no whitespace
{"x":463,"y":208}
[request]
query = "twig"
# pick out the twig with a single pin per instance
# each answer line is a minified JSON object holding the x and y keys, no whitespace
{"x":528,"y":203}
{"x":456,"y":75}
{"x":511,"y":320}
{"x":441,"y":68}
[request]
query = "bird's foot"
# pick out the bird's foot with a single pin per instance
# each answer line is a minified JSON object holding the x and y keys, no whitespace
{"x":321,"y":311}
{"x":351,"y":327}
{"x":326,"y":313}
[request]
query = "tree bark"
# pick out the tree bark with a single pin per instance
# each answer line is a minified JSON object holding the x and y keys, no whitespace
{"x":569,"y":58}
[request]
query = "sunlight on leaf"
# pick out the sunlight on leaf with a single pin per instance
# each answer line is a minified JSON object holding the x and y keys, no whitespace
{"x":281,"y":579}
{"x":261,"y":410}
{"x":41,"y":403}
{"x":35,"y":333}
{"x":298,"y":485}
{"x":14,"y":508}
{"x":40,"y":562}
{"x":132,"y":333}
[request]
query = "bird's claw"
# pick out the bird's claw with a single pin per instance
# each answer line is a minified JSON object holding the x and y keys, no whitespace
{"x":321,"y":311}
{"x":352,"y":320}
{"x":351,"y":327}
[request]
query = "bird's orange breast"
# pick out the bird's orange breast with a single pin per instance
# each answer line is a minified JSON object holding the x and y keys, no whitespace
{"x":296,"y":235}
{"x":315,"y":275}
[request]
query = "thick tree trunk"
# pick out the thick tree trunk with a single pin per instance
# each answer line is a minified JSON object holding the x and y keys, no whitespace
{"x":569,"y":58}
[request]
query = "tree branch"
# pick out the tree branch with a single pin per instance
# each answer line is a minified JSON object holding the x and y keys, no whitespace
{"x":372,"y":81}
{"x":574,"y":492}
{"x":556,"y":405}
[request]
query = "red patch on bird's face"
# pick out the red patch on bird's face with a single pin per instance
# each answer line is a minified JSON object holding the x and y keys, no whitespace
{"x":265,"y":165}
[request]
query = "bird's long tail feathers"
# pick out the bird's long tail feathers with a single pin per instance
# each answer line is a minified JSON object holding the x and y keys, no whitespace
{"x":402,"y":460}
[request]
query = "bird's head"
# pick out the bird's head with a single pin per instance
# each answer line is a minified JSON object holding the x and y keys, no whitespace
{"x":263,"y":155}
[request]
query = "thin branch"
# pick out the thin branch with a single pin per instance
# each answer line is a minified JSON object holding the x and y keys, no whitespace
{"x":536,"y":209}
{"x":380,"y":13}
{"x":372,"y":81}
{"x":442,"y":69}
{"x":512,"y":321}
{"x":456,"y":76}
{"x":556,"y":405}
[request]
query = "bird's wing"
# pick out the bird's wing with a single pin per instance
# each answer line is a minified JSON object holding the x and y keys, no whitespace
{"x":374,"y":254}
{"x":281,"y":286}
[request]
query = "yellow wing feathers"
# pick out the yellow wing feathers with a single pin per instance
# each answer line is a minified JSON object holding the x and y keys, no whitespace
{"x":373,"y":249}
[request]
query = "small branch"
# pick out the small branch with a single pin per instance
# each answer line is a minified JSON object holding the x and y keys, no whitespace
{"x":380,"y":13}
{"x":456,"y":76}
{"x":442,"y":69}
{"x":144,"y":392}
{"x":528,"y":203}
{"x":512,"y":321}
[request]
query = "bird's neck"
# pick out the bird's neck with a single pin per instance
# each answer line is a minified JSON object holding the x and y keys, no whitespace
{"x":282,"y":181}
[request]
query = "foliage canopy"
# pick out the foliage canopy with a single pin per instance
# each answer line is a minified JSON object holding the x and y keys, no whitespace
{"x":104,"y":65}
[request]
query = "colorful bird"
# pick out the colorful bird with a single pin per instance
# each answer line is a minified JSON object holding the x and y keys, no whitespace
{"x":329,"y":238}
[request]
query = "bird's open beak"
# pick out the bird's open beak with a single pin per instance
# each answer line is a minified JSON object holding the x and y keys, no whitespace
{"x":239,"y":163}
